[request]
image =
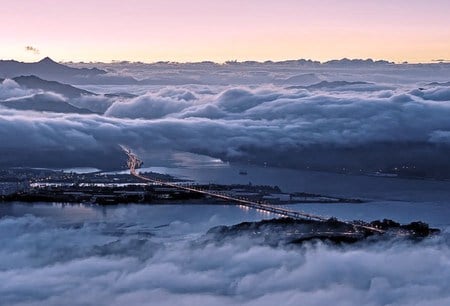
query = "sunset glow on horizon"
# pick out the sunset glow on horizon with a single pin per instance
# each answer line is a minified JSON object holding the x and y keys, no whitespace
{"x":177,"y":30}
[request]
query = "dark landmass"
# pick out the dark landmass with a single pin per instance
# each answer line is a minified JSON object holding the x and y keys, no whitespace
{"x":50,"y":70}
{"x":44,"y":185}
{"x":130,"y":191}
{"x":68,"y":99}
{"x":306,"y":63}
{"x":47,"y":101}
{"x":34,"y":82}
{"x":47,"y":69}
{"x":44,"y":103}
{"x":88,"y":73}
{"x":284,"y":231}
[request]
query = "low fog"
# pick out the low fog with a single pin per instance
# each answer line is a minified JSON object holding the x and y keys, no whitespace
{"x":121,"y":255}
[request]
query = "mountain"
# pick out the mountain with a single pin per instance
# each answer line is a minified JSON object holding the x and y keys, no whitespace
{"x":337,"y":63}
{"x":44,"y":103}
{"x":46,"y":69}
{"x":288,"y":231}
{"x":345,"y":62}
{"x":34,"y":82}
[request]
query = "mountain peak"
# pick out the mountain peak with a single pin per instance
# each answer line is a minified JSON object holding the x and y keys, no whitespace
{"x":47,"y":60}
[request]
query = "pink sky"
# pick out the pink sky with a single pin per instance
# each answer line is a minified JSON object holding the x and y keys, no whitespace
{"x":183,"y":30}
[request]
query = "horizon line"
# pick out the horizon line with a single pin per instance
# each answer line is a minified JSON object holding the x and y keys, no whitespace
{"x":236,"y":61}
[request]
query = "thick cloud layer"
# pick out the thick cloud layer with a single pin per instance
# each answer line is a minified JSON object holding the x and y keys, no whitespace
{"x":150,"y":106}
{"x":280,"y":73}
{"x":10,"y":89}
{"x":327,"y":126}
{"x":122,"y":259}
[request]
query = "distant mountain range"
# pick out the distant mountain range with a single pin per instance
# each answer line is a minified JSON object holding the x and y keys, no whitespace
{"x":47,"y":69}
{"x":50,"y":70}
{"x":169,"y":73}
{"x":45,"y":100}
{"x":66,"y":102}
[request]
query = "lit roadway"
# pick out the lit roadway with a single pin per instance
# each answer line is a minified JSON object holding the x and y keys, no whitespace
{"x":134,"y":163}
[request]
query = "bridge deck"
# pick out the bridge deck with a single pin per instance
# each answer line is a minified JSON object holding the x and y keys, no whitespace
{"x":134,"y":162}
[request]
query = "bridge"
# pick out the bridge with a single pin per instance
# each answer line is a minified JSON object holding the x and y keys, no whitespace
{"x":134,"y":163}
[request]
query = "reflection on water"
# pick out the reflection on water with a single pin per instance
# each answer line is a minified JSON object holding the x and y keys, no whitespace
{"x":436,"y":214}
{"x":205,"y":216}
{"x":203,"y":169}
{"x":393,"y":198}
{"x":332,"y":184}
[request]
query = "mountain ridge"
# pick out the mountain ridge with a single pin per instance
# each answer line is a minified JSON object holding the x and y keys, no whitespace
{"x":46,"y":68}
{"x":34,"y":82}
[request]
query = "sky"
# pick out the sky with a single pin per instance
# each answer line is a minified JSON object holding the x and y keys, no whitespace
{"x":197,"y":30}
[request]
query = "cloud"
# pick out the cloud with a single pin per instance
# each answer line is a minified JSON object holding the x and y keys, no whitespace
{"x":287,"y":127}
{"x":123,"y":260}
{"x":153,"y":105}
{"x":97,"y":104}
{"x":238,"y":100}
{"x":10,"y":89}
{"x":297,"y":73}
{"x":209,"y":111}
{"x":32,"y":49}
{"x":147,"y":106}
{"x":345,"y":122}
{"x":434,"y":94}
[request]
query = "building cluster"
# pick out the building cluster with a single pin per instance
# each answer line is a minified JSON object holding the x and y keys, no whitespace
{"x":13,"y":182}
{"x":38,"y":185}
